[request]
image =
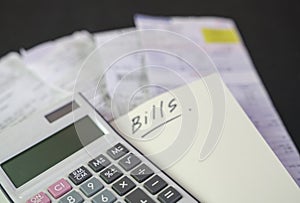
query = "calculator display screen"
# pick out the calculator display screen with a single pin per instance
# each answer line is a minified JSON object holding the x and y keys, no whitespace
{"x":45,"y":154}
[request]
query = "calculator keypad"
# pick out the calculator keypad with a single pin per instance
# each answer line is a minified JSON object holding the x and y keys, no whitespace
{"x":138,"y":196}
{"x":80,"y":175}
{"x":170,"y":195}
{"x":155,"y":184}
{"x":91,"y":187}
{"x":99,"y":163}
{"x":129,"y":162}
{"x":59,"y":188}
{"x":111,"y":174}
{"x":141,"y":173}
{"x":117,"y":151}
{"x":40,"y":197}
{"x":123,"y":186}
{"x":73,"y":197}
{"x":138,"y":185}
{"x":104,"y":197}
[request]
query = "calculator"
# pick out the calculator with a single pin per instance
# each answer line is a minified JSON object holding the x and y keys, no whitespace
{"x":70,"y":154}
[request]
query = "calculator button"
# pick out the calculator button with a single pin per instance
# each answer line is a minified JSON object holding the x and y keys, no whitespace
{"x":79,"y":175}
{"x":138,"y":196}
{"x":72,"y":197}
{"x":155,"y":184}
{"x":91,"y":187}
{"x":123,"y":186}
{"x":129,"y":162}
{"x":104,"y":197}
{"x":40,"y":198}
{"x":99,"y":163}
{"x":117,"y":151}
{"x":141,"y":173}
{"x":111,"y":174}
{"x":59,"y":188}
{"x":170,"y":195}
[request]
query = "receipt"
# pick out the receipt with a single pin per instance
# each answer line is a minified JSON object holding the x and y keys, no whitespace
{"x":64,"y":65}
{"x":221,"y":40}
{"x":106,"y":36}
{"x":58,"y":62}
{"x":122,"y":76}
{"x":21,"y":92}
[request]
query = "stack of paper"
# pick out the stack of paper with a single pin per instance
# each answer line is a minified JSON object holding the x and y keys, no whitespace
{"x":43,"y":75}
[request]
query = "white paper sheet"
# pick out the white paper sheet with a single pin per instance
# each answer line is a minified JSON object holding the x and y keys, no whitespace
{"x":58,"y":62}
{"x":122,"y":69}
{"x":21,"y":92}
{"x":241,"y":169}
{"x":239,"y":74}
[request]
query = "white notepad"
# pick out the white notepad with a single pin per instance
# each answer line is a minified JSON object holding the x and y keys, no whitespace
{"x":241,"y":166}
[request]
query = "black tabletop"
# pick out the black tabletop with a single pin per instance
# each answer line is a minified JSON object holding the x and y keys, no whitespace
{"x":270,"y":30}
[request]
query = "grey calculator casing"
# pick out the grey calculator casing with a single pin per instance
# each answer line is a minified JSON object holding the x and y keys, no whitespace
{"x":37,"y":128}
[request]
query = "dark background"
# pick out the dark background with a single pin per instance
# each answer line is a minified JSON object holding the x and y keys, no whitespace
{"x":270,"y":29}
